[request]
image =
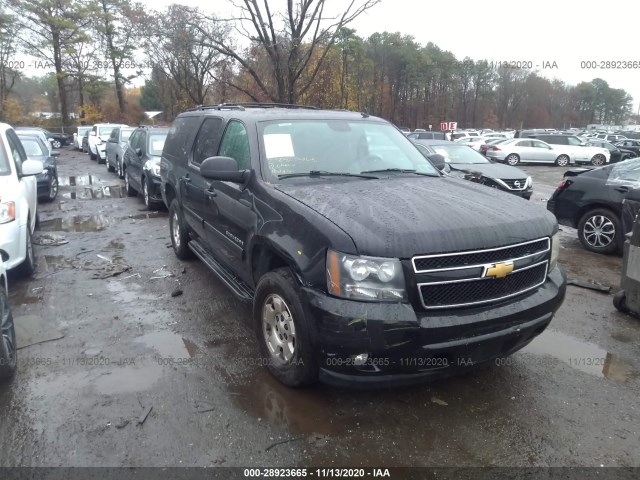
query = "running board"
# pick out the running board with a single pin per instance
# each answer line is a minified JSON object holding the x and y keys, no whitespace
{"x":237,"y":286}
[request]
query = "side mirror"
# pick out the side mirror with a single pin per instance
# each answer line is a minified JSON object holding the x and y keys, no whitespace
{"x":438,"y":161}
{"x":32,"y":167}
{"x":224,"y":169}
{"x":55,"y":153}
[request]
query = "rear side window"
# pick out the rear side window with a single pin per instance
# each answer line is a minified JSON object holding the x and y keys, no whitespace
{"x":207,"y":141}
{"x":235,"y":144}
{"x":178,"y":142}
{"x":16,"y":150}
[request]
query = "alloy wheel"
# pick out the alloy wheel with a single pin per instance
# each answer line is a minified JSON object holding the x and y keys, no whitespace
{"x":278,"y":328}
{"x":7,"y":331}
{"x":599,"y":231}
{"x":175,"y":229}
{"x":53,"y":187}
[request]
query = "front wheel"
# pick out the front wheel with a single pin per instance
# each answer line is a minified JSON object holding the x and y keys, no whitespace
{"x":8,"y":345}
{"x":56,"y":144}
{"x":150,"y":204}
{"x":53,"y":188}
{"x":127,"y":185}
{"x":599,"y":231}
{"x":179,"y":233}
{"x":513,"y":159}
{"x":110,"y":168}
{"x":28,"y":266}
{"x":562,"y":161}
{"x":283,"y":329}
{"x":598,"y":160}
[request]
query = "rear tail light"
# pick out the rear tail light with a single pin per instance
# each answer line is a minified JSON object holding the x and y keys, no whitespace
{"x":564,"y":184}
{"x":495,"y":149}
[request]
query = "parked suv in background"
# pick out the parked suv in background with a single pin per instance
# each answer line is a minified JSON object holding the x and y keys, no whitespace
{"x":98,"y":137}
{"x":141,"y":164}
{"x":363,"y":262}
{"x":47,"y":180}
{"x":18,"y":202}
{"x":426,"y":136}
{"x":575,"y":147}
{"x":116,"y":146}
{"x":77,"y":137}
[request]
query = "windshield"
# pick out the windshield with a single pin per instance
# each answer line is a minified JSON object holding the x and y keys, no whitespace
{"x":83,"y":130}
{"x":156,"y":143}
{"x":32,"y":147}
{"x":459,"y":154}
{"x":337,"y":146}
{"x":105,"y":131}
{"x":625,"y":173}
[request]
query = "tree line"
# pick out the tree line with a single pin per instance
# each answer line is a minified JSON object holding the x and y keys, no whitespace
{"x":294,"y":51}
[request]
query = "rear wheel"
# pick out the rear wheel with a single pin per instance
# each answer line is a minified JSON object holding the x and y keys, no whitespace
{"x":599,"y":231}
{"x":28,"y":266}
{"x":179,"y":233}
{"x":282,"y":329}
{"x":620,"y":301}
{"x":8,"y":346}
{"x":598,"y":160}
{"x":513,"y":159}
{"x":562,"y":161}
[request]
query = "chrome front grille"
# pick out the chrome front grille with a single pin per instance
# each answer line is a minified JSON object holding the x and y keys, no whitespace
{"x":462,"y":279}
{"x":515,"y":184}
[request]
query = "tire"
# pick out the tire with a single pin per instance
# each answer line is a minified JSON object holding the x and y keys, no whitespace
{"x":127,"y":185}
{"x":512,"y":159}
{"x":598,"y":160}
{"x":178,"y":231}
{"x":8,"y":345}
{"x":620,"y":301}
{"x":99,"y":160}
{"x":278,"y":317}
{"x":53,"y":189}
{"x":150,"y":204}
{"x":92,"y":155}
{"x":110,"y":168}
{"x":56,"y":144}
{"x":599,"y":231}
{"x":28,"y":266}
{"x":562,"y":161}
{"x":119,"y":168}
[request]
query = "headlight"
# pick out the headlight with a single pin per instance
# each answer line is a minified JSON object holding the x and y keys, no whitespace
{"x":365,"y":278}
{"x":7,"y":212}
{"x":529,"y":182}
{"x":555,"y":251}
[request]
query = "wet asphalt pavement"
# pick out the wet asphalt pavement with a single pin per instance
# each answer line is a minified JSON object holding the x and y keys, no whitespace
{"x":144,"y":378}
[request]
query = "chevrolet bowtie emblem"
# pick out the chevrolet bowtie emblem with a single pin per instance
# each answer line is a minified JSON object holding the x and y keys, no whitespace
{"x":498,"y":270}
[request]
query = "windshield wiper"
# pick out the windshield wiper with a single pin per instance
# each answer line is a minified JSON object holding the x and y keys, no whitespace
{"x":322,"y":173}
{"x":399,"y":170}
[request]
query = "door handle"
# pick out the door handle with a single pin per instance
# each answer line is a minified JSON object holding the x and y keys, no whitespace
{"x":186,"y":178}
{"x":210,"y":192}
{"x":622,"y":189}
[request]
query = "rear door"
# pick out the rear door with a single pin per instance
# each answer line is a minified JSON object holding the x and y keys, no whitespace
{"x":543,"y":152}
{"x":524,"y":148}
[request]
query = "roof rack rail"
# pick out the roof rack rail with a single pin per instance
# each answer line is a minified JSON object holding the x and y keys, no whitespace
{"x":242,"y":106}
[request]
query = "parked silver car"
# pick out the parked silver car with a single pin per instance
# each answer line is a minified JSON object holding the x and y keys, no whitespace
{"x":536,"y":151}
{"x":116,"y":146}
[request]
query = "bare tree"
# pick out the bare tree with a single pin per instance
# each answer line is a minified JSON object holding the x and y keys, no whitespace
{"x":183,"y":52}
{"x":50,"y":29}
{"x":296,"y":41}
{"x":8,"y":74}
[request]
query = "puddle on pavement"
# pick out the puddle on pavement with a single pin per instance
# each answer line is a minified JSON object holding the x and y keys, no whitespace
{"x":78,"y":223}
{"x":79,"y":180}
{"x":128,"y":380}
{"x":24,"y":296}
{"x":128,"y":292}
{"x":169,"y":344}
{"x":114,"y":191}
{"x":584,"y":356}
{"x":296,"y":410}
{"x":53,"y":263}
{"x":145,"y":216}
{"x":115,"y":245}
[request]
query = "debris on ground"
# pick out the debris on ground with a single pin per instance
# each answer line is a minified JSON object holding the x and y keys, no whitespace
{"x":176,"y":293}
{"x":112,"y":270}
{"x":143,"y":417}
{"x":318,"y":440}
{"x":162,"y":272}
{"x":123,"y":423}
{"x":438,"y":401}
{"x":294,"y":439}
{"x":50,"y":240}
{"x":598,"y":287}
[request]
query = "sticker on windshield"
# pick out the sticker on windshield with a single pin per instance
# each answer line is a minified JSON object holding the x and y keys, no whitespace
{"x":278,"y":145}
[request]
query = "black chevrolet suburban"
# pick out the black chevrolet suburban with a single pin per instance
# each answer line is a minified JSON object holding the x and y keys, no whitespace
{"x":364,"y":263}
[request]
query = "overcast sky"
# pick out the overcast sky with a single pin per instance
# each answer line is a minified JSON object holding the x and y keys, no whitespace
{"x":566,"y":32}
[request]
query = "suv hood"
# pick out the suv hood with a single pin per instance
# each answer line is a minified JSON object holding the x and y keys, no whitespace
{"x":490,"y":170}
{"x":402,"y":217}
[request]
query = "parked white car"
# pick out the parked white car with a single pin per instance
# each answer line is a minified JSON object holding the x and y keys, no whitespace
{"x":473,"y":142}
{"x":8,"y":350}
{"x":98,"y":138}
{"x":77,"y":137}
{"x":18,"y":202}
{"x":536,"y":151}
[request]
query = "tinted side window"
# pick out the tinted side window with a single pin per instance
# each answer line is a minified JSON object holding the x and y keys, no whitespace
{"x":207,"y":141}
{"x":178,"y":142}
{"x":114,"y":133}
{"x":525,"y":143}
{"x":133,"y":140}
{"x":142,"y":141}
{"x":235,"y":144}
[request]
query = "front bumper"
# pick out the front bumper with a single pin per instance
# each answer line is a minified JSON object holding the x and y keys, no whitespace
{"x":405,"y":346}
{"x":155,"y":189}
